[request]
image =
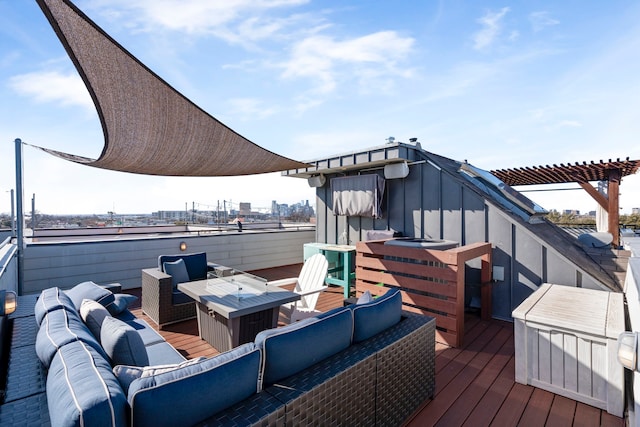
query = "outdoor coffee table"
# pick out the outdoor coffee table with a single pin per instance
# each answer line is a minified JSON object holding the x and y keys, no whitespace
{"x":231,"y":310}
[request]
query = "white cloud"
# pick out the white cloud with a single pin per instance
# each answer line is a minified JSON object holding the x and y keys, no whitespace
{"x":250,"y":109}
{"x":53,"y":86}
{"x":369,"y":60}
{"x":541,"y":20}
{"x":491,"y":28}
{"x":234,"y":21}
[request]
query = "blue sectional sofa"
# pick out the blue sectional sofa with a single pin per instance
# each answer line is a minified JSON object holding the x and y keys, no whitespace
{"x":93,"y":363}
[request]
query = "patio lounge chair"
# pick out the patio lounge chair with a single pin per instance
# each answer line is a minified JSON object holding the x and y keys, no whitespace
{"x":161,"y":300}
{"x":309,"y":284}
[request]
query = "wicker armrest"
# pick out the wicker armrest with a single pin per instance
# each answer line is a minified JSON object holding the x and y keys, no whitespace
{"x":157,"y":302}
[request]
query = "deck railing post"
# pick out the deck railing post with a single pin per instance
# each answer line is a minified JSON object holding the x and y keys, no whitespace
{"x":19,"y":214}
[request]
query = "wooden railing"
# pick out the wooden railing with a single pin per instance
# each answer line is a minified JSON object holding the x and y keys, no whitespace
{"x":432,"y":281}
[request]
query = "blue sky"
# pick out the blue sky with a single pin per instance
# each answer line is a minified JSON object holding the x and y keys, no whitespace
{"x":500,"y":84}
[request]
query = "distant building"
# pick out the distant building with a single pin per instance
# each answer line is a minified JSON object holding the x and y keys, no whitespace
{"x":244,"y":208}
{"x":571,"y":212}
{"x":635,"y":211}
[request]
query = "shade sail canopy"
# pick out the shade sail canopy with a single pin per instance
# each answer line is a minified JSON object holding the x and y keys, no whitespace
{"x":149,"y":127}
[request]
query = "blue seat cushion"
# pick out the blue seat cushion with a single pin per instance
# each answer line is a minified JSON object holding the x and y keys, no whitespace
{"x":52,"y":299}
{"x":59,"y":328}
{"x":89,"y":290}
{"x":374,"y":317}
{"x":178,"y":297}
{"x":122,"y":343}
{"x":82,"y":389}
{"x":178,"y":272}
{"x":204,"y":389}
{"x":196,"y":264}
{"x":120,"y":303}
{"x":290,"y":349}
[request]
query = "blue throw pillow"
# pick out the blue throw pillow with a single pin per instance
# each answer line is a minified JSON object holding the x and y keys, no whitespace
{"x":178,"y":272}
{"x":89,"y":290}
{"x":120,"y":303}
{"x":374,"y":317}
{"x":82,"y":390}
{"x":122,"y":343}
{"x":193,"y":393}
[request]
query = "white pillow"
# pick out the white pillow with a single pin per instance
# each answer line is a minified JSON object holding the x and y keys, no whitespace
{"x":126,"y":374}
{"x":93,"y":314}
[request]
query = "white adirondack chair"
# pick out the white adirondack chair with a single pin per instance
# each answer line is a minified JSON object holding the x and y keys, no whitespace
{"x":309,"y":284}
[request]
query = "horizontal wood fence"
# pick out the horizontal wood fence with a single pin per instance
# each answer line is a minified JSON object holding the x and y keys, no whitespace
{"x":432,"y":281}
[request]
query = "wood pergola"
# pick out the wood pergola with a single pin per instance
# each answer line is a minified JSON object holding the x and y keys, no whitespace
{"x":581,"y":173}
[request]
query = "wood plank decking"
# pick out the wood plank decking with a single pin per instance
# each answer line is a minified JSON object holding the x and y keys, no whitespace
{"x":475,"y":384}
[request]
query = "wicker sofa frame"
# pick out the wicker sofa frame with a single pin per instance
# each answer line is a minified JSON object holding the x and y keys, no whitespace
{"x":381,"y":381}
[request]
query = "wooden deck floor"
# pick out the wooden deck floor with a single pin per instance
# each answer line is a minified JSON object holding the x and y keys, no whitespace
{"x":475,"y":384}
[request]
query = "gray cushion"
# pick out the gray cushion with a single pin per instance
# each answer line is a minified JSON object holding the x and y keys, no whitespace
{"x":374,"y":317}
{"x":89,"y":290}
{"x":204,"y":388}
{"x":178,"y":272}
{"x":52,"y":299}
{"x":365,"y":298}
{"x":162,"y":353}
{"x":93,"y":314}
{"x":120,"y":303}
{"x":291,"y":349}
{"x":59,"y":328}
{"x":122,"y":343}
{"x":82,"y":389}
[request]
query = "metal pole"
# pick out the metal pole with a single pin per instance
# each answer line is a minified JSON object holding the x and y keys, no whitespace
{"x":13,"y":215}
{"x":33,"y":213}
{"x":19,"y":214}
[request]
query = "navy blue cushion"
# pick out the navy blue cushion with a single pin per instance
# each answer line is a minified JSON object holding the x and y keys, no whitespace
{"x":59,"y":328}
{"x":122,"y":343}
{"x":120,"y":303}
{"x":374,"y":317}
{"x":291,"y":349}
{"x":178,"y":297}
{"x":82,"y":389}
{"x":52,"y":299}
{"x":192,"y":393}
{"x":178,"y":272}
{"x":89,"y":290}
{"x":196,"y":264}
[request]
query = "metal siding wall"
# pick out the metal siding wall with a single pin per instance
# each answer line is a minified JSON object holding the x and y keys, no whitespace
{"x":500,"y":237}
{"x":452,"y":209}
{"x":527,"y":267}
{"x":431,"y":201}
{"x":412,"y":191}
{"x":559,"y":270}
{"x":322,"y":212}
{"x":65,"y":265}
{"x":474,"y":218}
{"x":396,"y":205}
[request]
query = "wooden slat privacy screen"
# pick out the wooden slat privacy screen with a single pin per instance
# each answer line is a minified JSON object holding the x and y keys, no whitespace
{"x":432,"y":281}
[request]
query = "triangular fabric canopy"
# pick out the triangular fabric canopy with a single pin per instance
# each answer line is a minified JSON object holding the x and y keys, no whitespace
{"x":149,"y":127}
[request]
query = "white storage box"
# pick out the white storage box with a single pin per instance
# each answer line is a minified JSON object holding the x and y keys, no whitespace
{"x":566,"y":343}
